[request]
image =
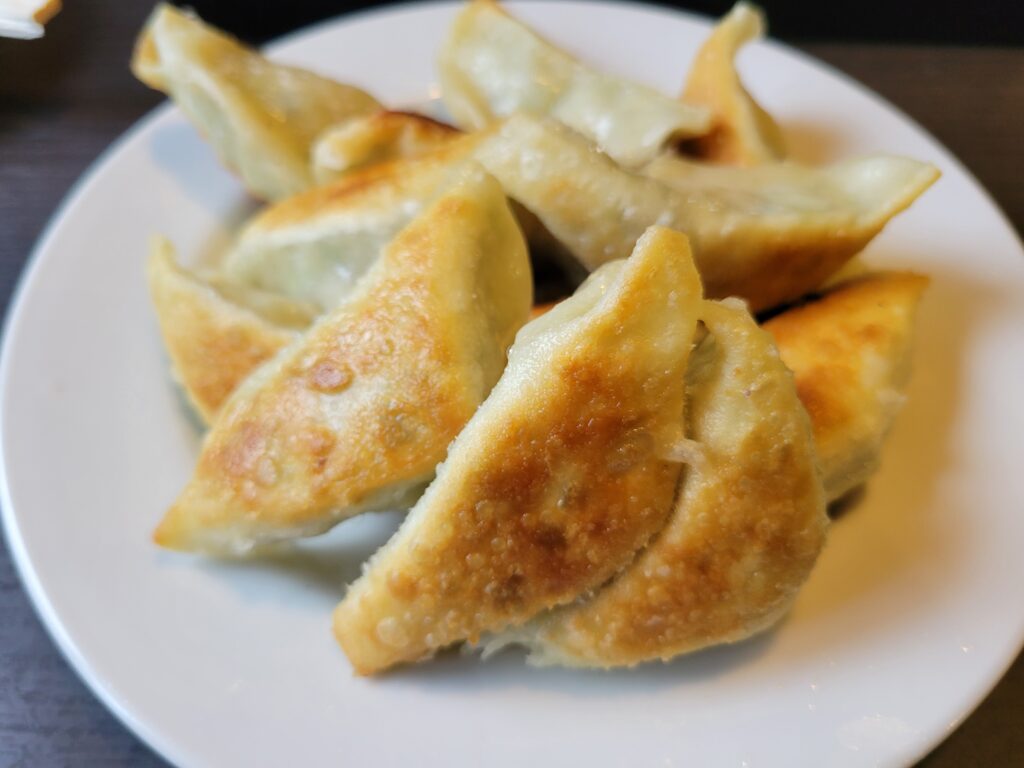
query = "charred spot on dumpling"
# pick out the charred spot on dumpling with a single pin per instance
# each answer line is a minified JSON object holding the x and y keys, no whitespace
{"x":330,"y":376}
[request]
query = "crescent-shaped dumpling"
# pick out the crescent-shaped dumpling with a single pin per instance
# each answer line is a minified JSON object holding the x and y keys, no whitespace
{"x":356,"y":414}
{"x":378,"y":138}
{"x":558,"y":479}
{"x":746,"y":529}
{"x":215,"y":336}
{"x":742,"y":133}
{"x":850,"y":351}
{"x":260,"y":117}
{"x":768,"y":234}
{"x":492,"y":66}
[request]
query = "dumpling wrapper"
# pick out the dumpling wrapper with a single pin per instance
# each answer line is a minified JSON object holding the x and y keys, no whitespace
{"x":306,"y":253}
{"x":378,"y":138}
{"x":742,"y":133}
{"x":260,"y":117}
{"x":492,"y":66}
{"x":768,"y":234}
{"x":215,"y":337}
{"x":745,"y":532}
{"x":851,"y":351}
{"x":356,"y":414}
{"x":315,"y":246}
{"x":558,"y":479}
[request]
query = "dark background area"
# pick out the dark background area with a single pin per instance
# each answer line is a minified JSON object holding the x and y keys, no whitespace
{"x":956,"y":67}
{"x":981,"y":22}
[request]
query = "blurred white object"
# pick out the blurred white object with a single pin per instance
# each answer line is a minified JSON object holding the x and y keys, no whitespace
{"x":25,"y":18}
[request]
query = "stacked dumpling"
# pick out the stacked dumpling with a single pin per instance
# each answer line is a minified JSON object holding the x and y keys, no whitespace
{"x":640,"y":471}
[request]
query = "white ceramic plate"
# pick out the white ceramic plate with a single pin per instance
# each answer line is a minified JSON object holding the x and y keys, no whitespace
{"x":910,"y":617}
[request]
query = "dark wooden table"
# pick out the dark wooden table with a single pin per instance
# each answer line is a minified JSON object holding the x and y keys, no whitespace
{"x":63,"y":99}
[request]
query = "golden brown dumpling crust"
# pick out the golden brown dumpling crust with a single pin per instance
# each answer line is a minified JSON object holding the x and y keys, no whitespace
{"x":556,"y":481}
{"x":850,"y":351}
{"x":747,"y":527}
{"x":742,"y":133}
{"x":362,"y":408}
{"x":213,"y":343}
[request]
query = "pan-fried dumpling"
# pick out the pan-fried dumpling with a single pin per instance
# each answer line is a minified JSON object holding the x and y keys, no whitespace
{"x":315,"y":246}
{"x":361,"y":198}
{"x":381,"y":137}
{"x":356,"y":414}
{"x":557,"y":480}
{"x":746,"y":530}
{"x":742,"y":133}
{"x":260,"y":117}
{"x":768,"y":234}
{"x":492,"y":66}
{"x":216,"y":335}
{"x":850,"y":351}
{"x":294,"y":261}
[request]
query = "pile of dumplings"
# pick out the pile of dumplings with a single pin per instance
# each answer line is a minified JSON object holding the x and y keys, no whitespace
{"x":635,"y":471}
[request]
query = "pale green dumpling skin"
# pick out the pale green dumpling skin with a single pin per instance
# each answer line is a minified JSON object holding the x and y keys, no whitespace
{"x":356,"y":412}
{"x":493,"y":66}
{"x":261,"y":118}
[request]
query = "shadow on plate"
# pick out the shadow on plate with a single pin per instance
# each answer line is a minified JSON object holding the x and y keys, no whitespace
{"x":179,"y":152}
{"x":316,"y":569}
{"x":847,"y":503}
{"x":508,"y":668}
{"x":903,"y":520}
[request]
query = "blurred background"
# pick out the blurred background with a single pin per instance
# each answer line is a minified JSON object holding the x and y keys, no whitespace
{"x":938,"y":21}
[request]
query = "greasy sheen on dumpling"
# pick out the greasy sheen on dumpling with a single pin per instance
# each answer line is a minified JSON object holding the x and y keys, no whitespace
{"x":558,"y":479}
{"x":357,"y":412}
{"x":747,"y":526}
{"x":768,"y":234}
{"x":315,"y":246}
{"x":492,"y":66}
{"x":215,"y":335}
{"x":850,"y":351}
{"x":742,"y":133}
{"x":377,"y":138}
{"x":260,"y":117}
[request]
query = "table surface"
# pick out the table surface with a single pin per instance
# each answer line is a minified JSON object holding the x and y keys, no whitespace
{"x":66,"y":97}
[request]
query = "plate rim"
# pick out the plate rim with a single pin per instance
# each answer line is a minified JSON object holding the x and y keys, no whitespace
{"x":25,"y":569}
